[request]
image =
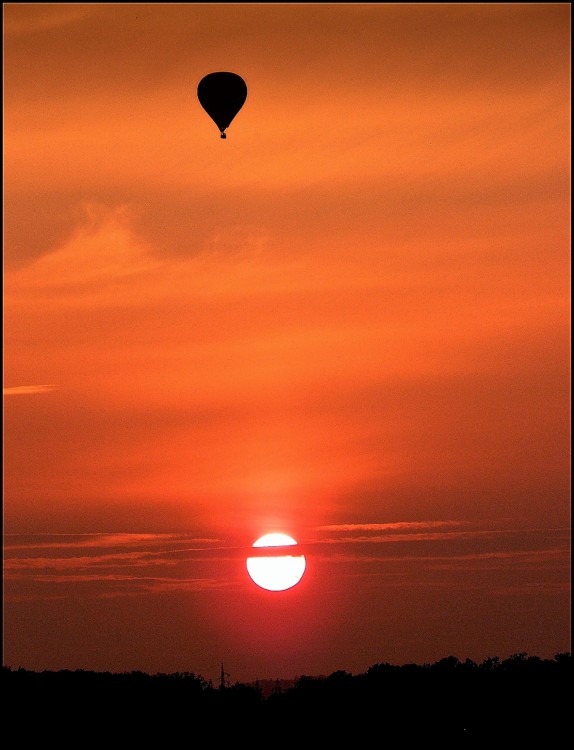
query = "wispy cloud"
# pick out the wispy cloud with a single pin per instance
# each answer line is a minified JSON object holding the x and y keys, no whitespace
{"x":30,"y":20}
{"x":135,"y":564}
{"x":530,"y":589}
{"x":406,"y":525}
{"x":115,"y":585}
{"x":425,"y":536}
{"x":109,"y":558}
{"x":456,"y":561}
{"x":130,"y":559}
{"x":424,"y":531}
{"x":112,"y":564}
{"x":25,"y":390}
{"x":100,"y":540}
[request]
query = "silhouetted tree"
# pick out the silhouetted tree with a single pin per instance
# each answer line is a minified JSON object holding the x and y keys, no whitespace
{"x":519,"y":700}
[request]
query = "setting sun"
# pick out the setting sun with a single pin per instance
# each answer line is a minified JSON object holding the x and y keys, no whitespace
{"x":276,"y":572}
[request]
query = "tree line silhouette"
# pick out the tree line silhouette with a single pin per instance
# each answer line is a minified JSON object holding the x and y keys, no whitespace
{"x":502,"y":702}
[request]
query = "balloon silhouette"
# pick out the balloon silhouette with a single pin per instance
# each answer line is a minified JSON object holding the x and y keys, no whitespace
{"x":222,"y":95}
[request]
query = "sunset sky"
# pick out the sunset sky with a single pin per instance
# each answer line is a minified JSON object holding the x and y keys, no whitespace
{"x":348,"y":322}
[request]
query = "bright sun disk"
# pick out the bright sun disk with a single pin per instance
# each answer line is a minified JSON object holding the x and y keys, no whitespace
{"x":276,"y":572}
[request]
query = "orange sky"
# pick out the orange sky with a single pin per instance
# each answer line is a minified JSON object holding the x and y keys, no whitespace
{"x":349,"y":321}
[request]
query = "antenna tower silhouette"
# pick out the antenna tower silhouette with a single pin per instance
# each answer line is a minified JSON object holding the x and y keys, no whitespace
{"x":223,"y":683}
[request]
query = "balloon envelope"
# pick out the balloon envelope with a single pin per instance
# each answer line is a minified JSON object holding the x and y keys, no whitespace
{"x":222,"y":95}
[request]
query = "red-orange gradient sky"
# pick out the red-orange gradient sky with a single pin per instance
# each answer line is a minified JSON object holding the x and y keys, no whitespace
{"x":349,"y":322}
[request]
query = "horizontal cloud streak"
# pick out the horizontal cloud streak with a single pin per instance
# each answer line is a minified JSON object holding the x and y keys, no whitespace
{"x":518,"y":556}
{"x":25,"y":390}
{"x":395,"y":525}
{"x":421,"y":537}
{"x":104,"y":539}
{"x":498,"y":546}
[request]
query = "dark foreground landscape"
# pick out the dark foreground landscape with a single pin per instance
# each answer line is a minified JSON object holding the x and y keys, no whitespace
{"x":497,"y":703}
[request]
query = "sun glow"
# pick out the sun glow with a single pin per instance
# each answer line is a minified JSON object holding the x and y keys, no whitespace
{"x":276,"y":572}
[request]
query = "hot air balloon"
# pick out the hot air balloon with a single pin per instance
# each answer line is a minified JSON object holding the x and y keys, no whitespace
{"x":222,"y":95}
